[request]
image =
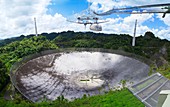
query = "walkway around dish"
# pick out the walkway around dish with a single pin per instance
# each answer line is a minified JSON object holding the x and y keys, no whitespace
{"x":148,"y":90}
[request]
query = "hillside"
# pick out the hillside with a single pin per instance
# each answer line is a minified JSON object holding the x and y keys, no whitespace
{"x":148,"y":46}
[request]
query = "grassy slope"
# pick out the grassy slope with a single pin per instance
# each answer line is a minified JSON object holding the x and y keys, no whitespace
{"x":123,"y":98}
{"x":112,"y":99}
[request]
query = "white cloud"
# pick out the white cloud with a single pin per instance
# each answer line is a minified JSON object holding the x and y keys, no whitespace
{"x":110,"y":4}
{"x":17,"y":18}
{"x":126,"y":25}
{"x":166,"y":20}
{"x":16,"y":15}
{"x":163,"y":34}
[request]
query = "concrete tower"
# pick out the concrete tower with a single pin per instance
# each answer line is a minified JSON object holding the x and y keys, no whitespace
{"x":36,"y":33}
{"x":133,"y":41}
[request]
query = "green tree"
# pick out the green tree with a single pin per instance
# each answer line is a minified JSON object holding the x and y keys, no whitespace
{"x":3,"y":75}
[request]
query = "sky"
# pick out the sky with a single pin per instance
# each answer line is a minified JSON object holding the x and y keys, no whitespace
{"x":17,"y":17}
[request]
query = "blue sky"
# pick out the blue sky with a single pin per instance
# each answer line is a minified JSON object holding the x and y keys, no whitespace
{"x":17,"y":17}
{"x":67,"y":7}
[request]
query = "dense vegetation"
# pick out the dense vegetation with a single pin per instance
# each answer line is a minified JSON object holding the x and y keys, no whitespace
{"x":16,"y":50}
{"x":145,"y":46}
{"x":4,"y":79}
{"x":149,"y":46}
{"x":117,"y":98}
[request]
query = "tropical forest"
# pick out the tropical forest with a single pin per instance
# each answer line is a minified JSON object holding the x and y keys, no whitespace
{"x":14,"y":49}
